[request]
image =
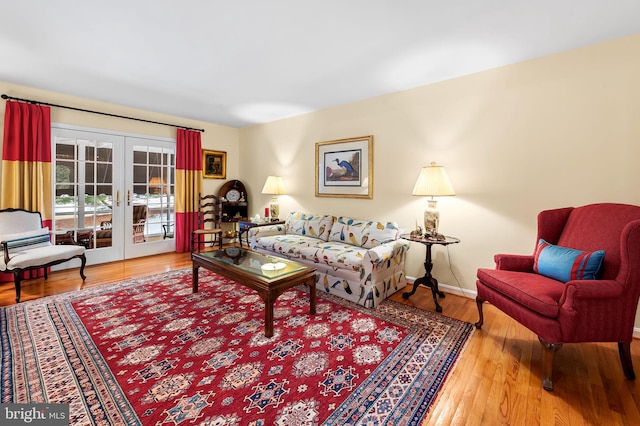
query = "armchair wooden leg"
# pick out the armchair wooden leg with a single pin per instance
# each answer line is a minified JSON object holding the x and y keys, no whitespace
{"x":479,"y":302}
{"x":83,"y":259}
{"x":548,"y":354}
{"x":17,"y":278}
{"x":624,"y":348}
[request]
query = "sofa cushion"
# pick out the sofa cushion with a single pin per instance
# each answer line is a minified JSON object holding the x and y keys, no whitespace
{"x":27,"y":240}
{"x":288,"y":245}
{"x":335,"y":254}
{"x":536,"y":292}
{"x":317,"y":226}
{"x":363,"y":233}
{"x":41,"y":256}
{"x":566,"y":264}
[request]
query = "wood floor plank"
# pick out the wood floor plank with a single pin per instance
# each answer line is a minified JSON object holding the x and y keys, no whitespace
{"x":497,"y":379}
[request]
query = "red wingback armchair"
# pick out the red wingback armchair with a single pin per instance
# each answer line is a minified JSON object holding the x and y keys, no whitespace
{"x":588,"y":310}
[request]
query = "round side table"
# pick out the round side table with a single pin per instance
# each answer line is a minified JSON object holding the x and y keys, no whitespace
{"x":428,"y":280}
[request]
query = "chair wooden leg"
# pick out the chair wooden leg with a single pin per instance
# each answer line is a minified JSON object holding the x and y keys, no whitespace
{"x":624,"y":348}
{"x":479,"y":302}
{"x":548,"y":355}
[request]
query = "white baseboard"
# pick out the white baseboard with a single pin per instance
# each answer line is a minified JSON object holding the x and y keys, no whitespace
{"x":471,"y":294}
{"x":458,"y":291}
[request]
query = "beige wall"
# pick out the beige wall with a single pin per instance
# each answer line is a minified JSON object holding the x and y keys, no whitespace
{"x":562,"y":130}
{"x":215,"y":137}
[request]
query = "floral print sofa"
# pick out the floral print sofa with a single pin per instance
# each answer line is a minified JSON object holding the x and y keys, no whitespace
{"x":359,"y":260}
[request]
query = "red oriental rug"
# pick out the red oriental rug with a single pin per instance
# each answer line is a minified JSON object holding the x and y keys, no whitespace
{"x":150,"y":352}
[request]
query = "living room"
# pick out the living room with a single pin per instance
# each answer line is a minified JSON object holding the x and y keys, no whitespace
{"x":514,"y":141}
{"x":554,"y":131}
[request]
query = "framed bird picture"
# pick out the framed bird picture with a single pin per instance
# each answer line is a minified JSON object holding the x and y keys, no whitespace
{"x":344,"y":168}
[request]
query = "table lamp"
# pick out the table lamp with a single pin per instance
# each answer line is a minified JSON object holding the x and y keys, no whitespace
{"x":433,"y":182}
{"x":274,"y":186}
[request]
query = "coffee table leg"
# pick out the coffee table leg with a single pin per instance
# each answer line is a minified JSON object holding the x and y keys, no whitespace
{"x":268,"y":317}
{"x":194,"y":279}
{"x":312,"y":296}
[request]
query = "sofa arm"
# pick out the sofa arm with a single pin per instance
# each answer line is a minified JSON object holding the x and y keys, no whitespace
{"x":514,"y":262}
{"x":23,"y":241}
{"x":379,"y":254}
{"x":265,"y":231}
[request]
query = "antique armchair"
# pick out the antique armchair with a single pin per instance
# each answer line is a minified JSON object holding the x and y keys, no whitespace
{"x":560,"y":294}
{"x":26,"y":246}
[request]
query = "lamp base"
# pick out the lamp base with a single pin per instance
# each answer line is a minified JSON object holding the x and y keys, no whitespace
{"x":431,"y":219}
{"x":275,"y":210}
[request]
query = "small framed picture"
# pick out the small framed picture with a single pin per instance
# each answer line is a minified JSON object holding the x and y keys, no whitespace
{"x":214,"y":164}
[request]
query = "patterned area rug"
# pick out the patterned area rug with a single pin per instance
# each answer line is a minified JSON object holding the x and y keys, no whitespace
{"x":150,"y":352}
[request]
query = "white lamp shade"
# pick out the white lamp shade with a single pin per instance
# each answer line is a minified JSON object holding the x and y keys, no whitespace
{"x":274,"y":186}
{"x":433,"y":181}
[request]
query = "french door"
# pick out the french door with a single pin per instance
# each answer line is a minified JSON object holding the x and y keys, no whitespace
{"x":113,"y":193}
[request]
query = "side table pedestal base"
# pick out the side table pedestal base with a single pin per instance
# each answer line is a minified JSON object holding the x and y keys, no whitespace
{"x":430,"y":282}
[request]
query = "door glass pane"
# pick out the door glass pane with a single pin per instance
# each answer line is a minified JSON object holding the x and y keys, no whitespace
{"x":153,"y":182}
{"x":83,"y":204}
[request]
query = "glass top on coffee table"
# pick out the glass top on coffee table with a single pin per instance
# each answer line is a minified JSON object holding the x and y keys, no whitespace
{"x":265,"y":266}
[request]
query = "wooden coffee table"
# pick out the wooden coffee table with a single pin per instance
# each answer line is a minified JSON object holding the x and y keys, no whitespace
{"x":270,"y":276}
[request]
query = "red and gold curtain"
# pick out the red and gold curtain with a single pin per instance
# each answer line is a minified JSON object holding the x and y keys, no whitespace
{"x":26,"y":161}
{"x":188,"y":185}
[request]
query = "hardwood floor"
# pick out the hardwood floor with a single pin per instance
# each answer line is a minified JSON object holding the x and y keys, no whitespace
{"x":496,"y":380}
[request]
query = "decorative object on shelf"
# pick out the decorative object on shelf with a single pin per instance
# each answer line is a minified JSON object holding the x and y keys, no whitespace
{"x":214,"y":164}
{"x":416,"y":233}
{"x":233,"y":195}
{"x":433,"y":182}
{"x":344,"y":168}
{"x":274,"y":186}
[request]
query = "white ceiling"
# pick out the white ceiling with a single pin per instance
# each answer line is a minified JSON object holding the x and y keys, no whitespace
{"x":243,"y":62}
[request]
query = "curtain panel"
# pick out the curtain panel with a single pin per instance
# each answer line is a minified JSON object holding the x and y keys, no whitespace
{"x":188,"y":186}
{"x":26,"y":163}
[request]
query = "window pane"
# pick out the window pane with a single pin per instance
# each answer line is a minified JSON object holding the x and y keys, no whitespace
{"x":89,"y":152}
{"x":105,"y":173}
{"x":89,"y":168}
{"x":65,"y":172}
{"x":64,"y":151}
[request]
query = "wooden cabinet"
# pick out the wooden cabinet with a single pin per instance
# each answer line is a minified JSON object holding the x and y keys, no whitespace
{"x":234,"y":204}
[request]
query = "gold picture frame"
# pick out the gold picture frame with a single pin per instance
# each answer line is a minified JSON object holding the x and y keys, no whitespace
{"x":344,"y":168}
{"x":214,"y":164}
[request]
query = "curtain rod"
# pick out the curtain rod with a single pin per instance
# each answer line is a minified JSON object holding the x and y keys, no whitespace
{"x":98,"y":112}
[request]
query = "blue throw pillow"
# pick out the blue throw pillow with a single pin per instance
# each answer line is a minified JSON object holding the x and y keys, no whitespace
{"x":566,"y":264}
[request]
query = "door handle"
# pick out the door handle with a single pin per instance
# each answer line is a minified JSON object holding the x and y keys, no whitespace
{"x":128,"y":197}
{"x":118,"y":198}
